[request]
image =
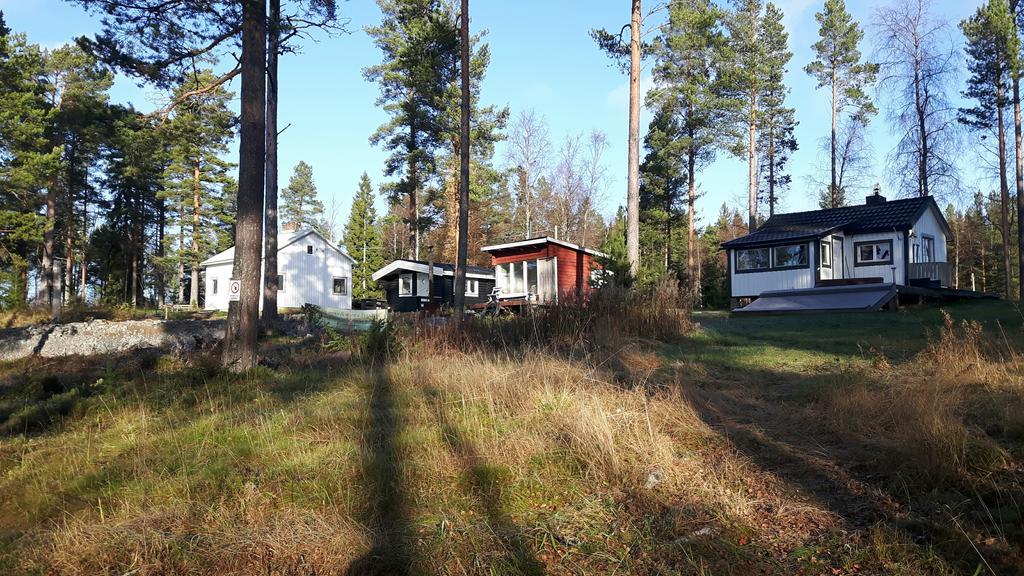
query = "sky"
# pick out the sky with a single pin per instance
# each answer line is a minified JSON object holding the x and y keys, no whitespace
{"x":542,"y":58}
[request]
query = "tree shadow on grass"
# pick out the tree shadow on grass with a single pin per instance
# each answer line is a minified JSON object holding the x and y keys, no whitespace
{"x":485,"y":482}
{"x":387,"y":510}
{"x":858,"y":482}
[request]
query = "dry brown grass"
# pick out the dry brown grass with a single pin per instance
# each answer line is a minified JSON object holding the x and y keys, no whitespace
{"x":924,"y":416}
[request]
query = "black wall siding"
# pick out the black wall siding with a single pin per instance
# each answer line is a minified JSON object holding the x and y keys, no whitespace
{"x":443,"y":293}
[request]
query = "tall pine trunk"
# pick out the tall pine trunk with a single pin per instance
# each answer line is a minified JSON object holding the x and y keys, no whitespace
{"x":464,"y":105}
{"x":197,"y":206}
{"x":771,"y":171}
{"x":270,"y":286}
{"x":691,"y":241}
{"x":1004,"y":192}
{"x":49,"y":280}
{"x":833,"y":188}
{"x":1020,"y":186}
{"x":633,"y":189}
{"x":752,"y":163}
{"x":413,"y":214}
{"x":240,"y":338}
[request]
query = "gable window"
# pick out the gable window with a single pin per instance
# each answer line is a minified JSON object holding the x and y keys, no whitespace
{"x":214,"y":285}
{"x":826,"y":254}
{"x":472,"y":287}
{"x":790,"y":256}
{"x":753,"y":259}
{"x":280,"y":282}
{"x":927,"y":248}
{"x":405,"y":284}
{"x":339,"y":286}
{"x":873,"y":253}
{"x":309,"y":249}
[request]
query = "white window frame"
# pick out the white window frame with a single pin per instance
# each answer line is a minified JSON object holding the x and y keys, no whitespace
{"x":826,"y":253}
{"x":344,"y":291}
{"x":472,"y":287}
{"x":766,"y":268}
{"x":927,"y":248}
{"x":858,"y":261}
{"x":214,"y":286}
{"x":412,"y":284}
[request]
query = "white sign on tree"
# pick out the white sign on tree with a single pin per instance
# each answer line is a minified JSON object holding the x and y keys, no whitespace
{"x":234,"y":290}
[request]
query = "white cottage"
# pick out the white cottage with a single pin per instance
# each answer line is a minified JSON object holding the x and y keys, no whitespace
{"x":898,"y":243}
{"x":311,"y":270}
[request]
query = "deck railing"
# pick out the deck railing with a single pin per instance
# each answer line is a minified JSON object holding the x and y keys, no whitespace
{"x":933,"y":271}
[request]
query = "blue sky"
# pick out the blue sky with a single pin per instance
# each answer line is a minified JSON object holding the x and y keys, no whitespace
{"x":542,"y":58}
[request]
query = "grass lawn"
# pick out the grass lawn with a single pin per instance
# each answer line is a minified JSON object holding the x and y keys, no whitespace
{"x":888,"y":443}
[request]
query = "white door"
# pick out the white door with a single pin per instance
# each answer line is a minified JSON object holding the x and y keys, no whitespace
{"x":547,"y":281}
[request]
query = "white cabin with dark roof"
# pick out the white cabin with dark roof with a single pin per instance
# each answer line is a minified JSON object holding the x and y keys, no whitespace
{"x":311,"y":270}
{"x":897,"y":243}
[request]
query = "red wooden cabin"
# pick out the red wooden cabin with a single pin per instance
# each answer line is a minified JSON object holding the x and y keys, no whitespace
{"x":542,"y":270}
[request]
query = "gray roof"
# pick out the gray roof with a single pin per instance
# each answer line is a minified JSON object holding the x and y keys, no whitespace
{"x":881,"y":217}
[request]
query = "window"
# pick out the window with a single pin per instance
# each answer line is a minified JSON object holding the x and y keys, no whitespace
{"x":339,"y":286}
{"x":826,"y":254}
{"x":873,"y":253}
{"x":501,"y":278}
{"x":472,"y":287}
{"x":405,"y":285}
{"x":214,"y":285}
{"x":790,"y":256}
{"x":280,"y":282}
{"x":531,"y":277}
{"x":753,"y":259}
{"x":928,"y":248}
{"x":917,"y":252}
{"x":309,"y":249}
{"x":519,"y":277}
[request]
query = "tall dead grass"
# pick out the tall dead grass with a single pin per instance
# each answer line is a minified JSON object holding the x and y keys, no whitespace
{"x":924,"y":419}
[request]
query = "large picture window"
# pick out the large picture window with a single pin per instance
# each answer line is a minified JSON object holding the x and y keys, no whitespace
{"x":405,"y":285}
{"x":873,"y":253}
{"x":753,"y":259}
{"x":514,"y":277}
{"x":790,"y":256}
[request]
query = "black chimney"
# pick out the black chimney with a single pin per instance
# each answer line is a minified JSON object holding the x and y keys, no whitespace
{"x":876,"y":198}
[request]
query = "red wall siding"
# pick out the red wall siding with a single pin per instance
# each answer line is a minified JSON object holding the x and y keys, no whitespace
{"x":573,"y":266}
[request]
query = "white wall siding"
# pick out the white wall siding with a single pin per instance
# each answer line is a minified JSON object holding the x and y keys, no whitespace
{"x":309,"y":278}
{"x":883,"y":271}
{"x":929,"y":225}
{"x":222,"y":274}
{"x":754,"y":283}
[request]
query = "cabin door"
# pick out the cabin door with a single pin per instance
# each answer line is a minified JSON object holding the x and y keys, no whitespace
{"x":547,"y":281}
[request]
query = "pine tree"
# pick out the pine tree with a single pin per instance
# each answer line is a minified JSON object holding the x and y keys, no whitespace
{"x":691,"y":54}
{"x":776,"y":139}
{"x":992,"y":49}
{"x":838,"y":66}
{"x":363,"y":241}
{"x":299,"y":203}
{"x":747,"y":77}
{"x":199,"y":132}
{"x":419,"y":40}
{"x":662,"y":183}
{"x":25,"y":160}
